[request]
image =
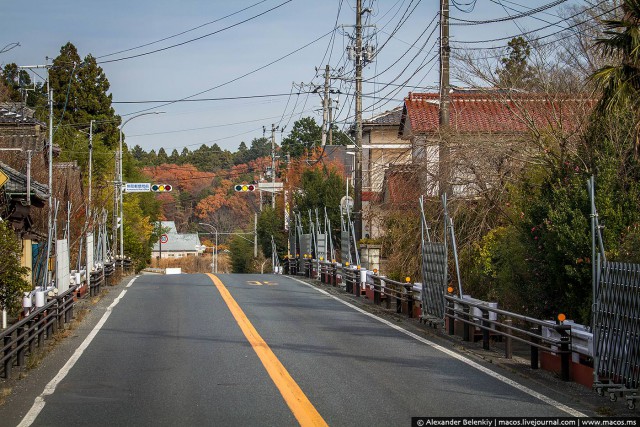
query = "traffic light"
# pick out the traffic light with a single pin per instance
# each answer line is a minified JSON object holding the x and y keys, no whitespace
{"x":161,"y":188}
{"x":245,"y":187}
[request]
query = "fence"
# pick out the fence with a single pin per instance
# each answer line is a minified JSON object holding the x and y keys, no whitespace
{"x":23,"y":338}
{"x":617,"y":331}
{"x":473,"y":318}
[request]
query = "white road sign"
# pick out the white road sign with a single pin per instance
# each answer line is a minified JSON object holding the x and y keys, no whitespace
{"x":137,"y":187}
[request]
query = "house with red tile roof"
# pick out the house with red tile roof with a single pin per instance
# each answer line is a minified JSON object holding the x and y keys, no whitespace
{"x":491,"y":134}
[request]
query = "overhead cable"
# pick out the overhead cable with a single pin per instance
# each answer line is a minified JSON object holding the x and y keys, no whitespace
{"x":197,"y":38}
{"x":182,"y":32}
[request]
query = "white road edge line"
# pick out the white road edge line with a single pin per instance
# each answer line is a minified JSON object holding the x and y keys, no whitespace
{"x":39,"y":403}
{"x":512,"y":383}
{"x":131,"y":281}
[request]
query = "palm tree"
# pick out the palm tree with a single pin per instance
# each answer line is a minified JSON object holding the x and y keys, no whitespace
{"x":620,"y":82}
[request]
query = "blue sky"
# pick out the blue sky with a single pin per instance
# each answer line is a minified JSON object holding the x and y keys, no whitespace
{"x":101,"y":28}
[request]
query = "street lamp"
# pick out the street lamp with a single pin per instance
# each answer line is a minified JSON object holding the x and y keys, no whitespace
{"x":215,"y":263}
{"x":119,"y":186}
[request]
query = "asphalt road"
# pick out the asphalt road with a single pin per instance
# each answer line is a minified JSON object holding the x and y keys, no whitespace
{"x":263,"y":350}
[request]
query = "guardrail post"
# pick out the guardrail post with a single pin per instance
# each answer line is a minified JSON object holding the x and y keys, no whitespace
{"x":60,"y":313}
{"x":387,"y":299}
{"x":410,"y":301}
{"x":356,"y":282}
{"x":508,"y":345}
{"x":8,"y":363}
{"x":41,"y":327}
{"x":30,"y":337}
{"x":347,"y":280}
{"x":20,"y":345}
{"x":565,"y":340}
{"x":466,"y":334}
{"x":535,"y":351}
{"x":65,"y":303}
{"x":452,"y":317}
{"x":376,"y":290}
{"x":398,"y":293}
{"x":72,"y":302}
{"x":485,"y":329}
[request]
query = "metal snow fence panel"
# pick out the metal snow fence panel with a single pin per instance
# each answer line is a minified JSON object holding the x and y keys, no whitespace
{"x":617,"y":327}
{"x":434,"y":282}
{"x":345,"y":247}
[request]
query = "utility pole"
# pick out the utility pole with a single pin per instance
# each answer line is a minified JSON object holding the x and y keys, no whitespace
{"x":273,"y":166}
{"x":255,"y":235}
{"x":444,"y":152}
{"x":357,"y":199}
{"x":88,"y":222}
{"x":50,"y":233}
{"x":325,"y":105}
{"x":90,"y":170}
{"x":330,"y":121}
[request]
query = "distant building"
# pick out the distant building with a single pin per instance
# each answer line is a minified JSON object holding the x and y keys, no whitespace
{"x":177,"y":245}
{"x":21,"y":133}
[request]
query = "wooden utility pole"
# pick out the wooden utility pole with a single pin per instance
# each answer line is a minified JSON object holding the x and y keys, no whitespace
{"x":357,"y":197}
{"x":444,"y":152}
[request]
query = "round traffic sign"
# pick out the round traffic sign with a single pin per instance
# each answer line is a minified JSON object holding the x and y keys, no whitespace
{"x":164,"y":239}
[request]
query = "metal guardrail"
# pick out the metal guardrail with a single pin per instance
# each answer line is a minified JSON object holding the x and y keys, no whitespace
{"x":21,"y":339}
{"x":473,"y":315}
{"x":384,"y":289}
{"x":97,"y":281}
{"x":512,"y":326}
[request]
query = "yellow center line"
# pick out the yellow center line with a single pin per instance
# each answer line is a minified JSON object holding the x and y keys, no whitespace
{"x":302,"y":408}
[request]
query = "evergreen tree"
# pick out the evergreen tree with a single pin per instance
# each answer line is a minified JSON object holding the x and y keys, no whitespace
{"x":12,"y":281}
{"x":162,"y":157}
{"x":305,"y":135}
{"x":242,"y":155}
{"x":241,"y":255}
{"x":174,"y":157}
{"x":138,"y":153}
{"x":516,"y":71}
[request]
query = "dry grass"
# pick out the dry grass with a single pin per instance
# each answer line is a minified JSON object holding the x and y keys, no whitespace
{"x":4,"y":393}
{"x":192,"y":264}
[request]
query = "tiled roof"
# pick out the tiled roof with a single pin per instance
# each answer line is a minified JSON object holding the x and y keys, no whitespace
{"x":17,"y":183}
{"x":494,"y":112}
{"x":17,"y":113}
{"x":387,"y":118}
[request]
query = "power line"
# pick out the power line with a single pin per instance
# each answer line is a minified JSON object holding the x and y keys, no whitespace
{"x":181,"y":33}
{"x":204,"y":127}
{"x":553,"y":24}
{"x":237,"y":78}
{"x":226,"y":98}
{"x":508,"y":18}
{"x":577,"y":24}
{"x":197,"y":38}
